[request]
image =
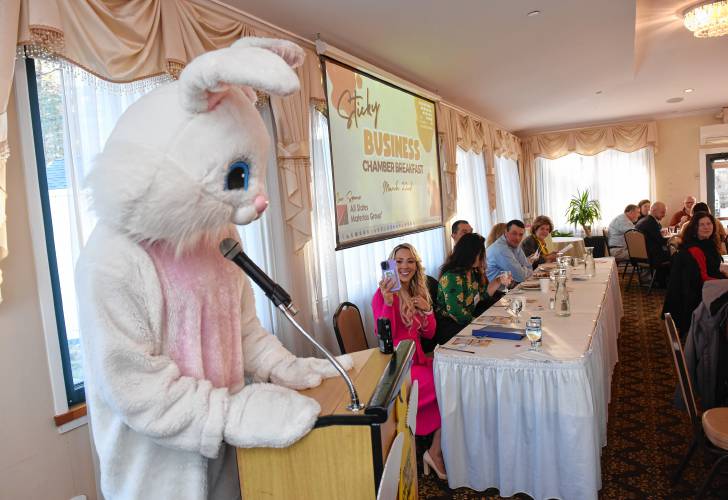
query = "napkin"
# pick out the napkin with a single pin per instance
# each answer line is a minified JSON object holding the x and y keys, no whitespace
{"x":500,"y":332}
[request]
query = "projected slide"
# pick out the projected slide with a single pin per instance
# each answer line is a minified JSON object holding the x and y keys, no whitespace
{"x":384,"y":154}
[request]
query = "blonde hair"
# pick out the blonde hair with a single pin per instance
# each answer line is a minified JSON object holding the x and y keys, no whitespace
{"x":496,"y":232}
{"x":416,"y":286}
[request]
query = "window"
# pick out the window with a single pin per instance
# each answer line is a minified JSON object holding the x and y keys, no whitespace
{"x":352,"y":274}
{"x":73,"y":114}
{"x":472,"y":189}
{"x":508,"y":195}
{"x":614,"y":178}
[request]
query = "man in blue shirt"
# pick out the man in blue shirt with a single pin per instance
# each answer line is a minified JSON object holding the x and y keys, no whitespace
{"x":505,"y":254}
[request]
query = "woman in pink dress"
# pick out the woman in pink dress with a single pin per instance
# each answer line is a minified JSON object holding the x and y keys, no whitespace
{"x":409,"y":311}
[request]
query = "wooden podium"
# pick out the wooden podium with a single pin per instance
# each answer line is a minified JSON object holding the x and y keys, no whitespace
{"x":343,"y":456}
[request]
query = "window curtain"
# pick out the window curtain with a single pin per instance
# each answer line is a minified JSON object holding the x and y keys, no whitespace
{"x":614,"y":178}
{"x":352,"y":274}
{"x":472,"y":203}
{"x":626,"y":137}
{"x":509,"y":189}
{"x":92,"y":108}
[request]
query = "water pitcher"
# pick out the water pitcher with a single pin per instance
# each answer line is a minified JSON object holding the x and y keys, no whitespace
{"x":589,"y":266}
{"x":562,"y":306}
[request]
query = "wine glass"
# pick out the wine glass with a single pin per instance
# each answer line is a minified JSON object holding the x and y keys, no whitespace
{"x":515,"y":307}
{"x":507,"y":276}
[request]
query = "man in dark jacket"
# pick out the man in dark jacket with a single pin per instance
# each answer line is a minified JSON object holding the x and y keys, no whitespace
{"x":656,"y":244}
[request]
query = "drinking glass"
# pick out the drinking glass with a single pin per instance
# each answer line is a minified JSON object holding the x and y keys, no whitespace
{"x":504,"y":274}
{"x":533,"y":332}
{"x":515,"y":307}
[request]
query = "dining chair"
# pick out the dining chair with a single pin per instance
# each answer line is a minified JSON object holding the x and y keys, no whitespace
{"x":713,"y":424}
{"x":623,"y":263}
{"x":599,"y":244}
{"x":638,"y":258}
{"x":349,"y":328}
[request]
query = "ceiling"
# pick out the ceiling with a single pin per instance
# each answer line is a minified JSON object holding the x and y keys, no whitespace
{"x":526,"y":73}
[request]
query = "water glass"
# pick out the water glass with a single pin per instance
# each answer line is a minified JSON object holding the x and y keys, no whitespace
{"x":533,"y":332}
{"x":515,"y":307}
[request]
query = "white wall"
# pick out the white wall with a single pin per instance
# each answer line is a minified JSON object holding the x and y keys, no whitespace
{"x":36,"y":462}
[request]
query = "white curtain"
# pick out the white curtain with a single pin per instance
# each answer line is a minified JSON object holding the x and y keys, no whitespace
{"x":352,"y":274}
{"x":91,"y":108}
{"x":472,"y":202}
{"x":508,"y":195}
{"x":614,"y":178}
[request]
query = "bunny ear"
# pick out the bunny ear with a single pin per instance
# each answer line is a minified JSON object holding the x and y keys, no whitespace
{"x":206,"y":80}
{"x":289,"y":51}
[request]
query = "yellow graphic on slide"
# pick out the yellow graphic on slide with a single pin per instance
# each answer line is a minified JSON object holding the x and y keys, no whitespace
{"x":384,"y":156}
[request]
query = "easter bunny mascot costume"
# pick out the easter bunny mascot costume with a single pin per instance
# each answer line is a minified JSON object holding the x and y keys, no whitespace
{"x":168,"y":324}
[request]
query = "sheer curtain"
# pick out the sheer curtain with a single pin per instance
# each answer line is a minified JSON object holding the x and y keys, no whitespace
{"x":612,"y":177}
{"x":472,"y":202}
{"x":352,"y":274}
{"x":508,"y":196}
{"x":91,"y":109}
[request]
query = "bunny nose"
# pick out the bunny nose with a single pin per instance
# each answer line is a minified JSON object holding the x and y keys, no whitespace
{"x":260,"y":203}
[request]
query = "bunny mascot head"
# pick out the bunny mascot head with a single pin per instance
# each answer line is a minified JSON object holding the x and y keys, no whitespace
{"x":168,"y":325}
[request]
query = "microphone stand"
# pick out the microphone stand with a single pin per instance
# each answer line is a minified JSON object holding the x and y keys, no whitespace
{"x":282,"y":300}
{"x":354,"y":405}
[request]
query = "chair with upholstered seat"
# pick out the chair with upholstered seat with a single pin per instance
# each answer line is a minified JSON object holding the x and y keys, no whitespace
{"x":624,"y":263}
{"x":349,"y":328}
{"x":639,"y":258}
{"x":714,"y":422}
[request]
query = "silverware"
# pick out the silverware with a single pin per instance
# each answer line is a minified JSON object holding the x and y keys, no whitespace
{"x":454,"y":349}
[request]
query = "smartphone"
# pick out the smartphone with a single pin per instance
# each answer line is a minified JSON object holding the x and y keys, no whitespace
{"x":389,"y":270}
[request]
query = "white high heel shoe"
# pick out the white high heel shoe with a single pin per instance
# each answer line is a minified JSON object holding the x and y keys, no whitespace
{"x":428,"y":463}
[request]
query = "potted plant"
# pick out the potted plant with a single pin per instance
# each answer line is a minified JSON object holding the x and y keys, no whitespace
{"x":583,"y":211}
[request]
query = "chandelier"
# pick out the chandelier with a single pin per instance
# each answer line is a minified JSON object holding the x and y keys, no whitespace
{"x":707,"y":19}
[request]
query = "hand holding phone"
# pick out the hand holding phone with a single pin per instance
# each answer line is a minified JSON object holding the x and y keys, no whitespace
{"x":389,"y":273}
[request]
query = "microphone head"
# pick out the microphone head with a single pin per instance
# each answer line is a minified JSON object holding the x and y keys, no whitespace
{"x":229,"y":248}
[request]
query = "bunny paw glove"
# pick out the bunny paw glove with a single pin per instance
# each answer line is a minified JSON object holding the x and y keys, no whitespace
{"x":304,"y":373}
{"x":267,"y":415}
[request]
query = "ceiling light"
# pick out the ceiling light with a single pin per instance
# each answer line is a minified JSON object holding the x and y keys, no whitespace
{"x":598,"y":92}
{"x":707,"y":19}
{"x":533,"y":13}
{"x":673,"y":100}
{"x":687,"y":91}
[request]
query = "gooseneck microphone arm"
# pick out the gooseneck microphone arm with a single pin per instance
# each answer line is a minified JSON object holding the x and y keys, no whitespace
{"x":231,"y":250}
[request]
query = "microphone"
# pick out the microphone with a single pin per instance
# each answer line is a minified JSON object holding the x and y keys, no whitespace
{"x":231,"y":250}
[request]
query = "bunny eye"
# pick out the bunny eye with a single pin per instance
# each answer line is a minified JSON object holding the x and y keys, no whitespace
{"x":238,"y":176}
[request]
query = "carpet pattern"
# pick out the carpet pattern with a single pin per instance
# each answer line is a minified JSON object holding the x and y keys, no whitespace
{"x":646,"y":437}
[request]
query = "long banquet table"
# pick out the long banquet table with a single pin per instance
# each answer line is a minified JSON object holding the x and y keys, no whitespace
{"x":534,"y":423}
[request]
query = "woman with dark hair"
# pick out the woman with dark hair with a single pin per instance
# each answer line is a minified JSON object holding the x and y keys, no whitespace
{"x":703,"y":207}
{"x":541,"y":228}
{"x":463,"y":292}
{"x":697,"y":261}
{"x":644,"y":206}
{"x":409,"y":310}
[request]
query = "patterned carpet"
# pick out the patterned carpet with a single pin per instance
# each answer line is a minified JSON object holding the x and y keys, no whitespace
{"x":647,"y":437}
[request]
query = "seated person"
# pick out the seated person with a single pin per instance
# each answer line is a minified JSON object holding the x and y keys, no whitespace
{"x":409,"y":311}
{"x":620,"y":225}
{"x":463,"y":292}
{"x":703,"y":207}
{"x":505,"y":254}
{"x":651,"y":228}
{"x":683,"y":216}
{"x":540,"y":230}
{"x":644,"y":206}
{"x":459,"y":228}
{"x":496,"y":232}
{"x":697,"y":261}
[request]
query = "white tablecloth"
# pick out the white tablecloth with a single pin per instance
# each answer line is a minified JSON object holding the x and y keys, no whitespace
{"x":528,"y":425}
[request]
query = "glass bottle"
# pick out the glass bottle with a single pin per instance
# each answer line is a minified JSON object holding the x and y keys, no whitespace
{"x":561,"y":297}
{"x":589,"y":266}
